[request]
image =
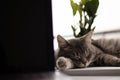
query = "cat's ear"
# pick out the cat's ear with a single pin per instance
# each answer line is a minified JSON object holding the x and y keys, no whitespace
{"x":62,"y":43}
{"x":88,"y":36}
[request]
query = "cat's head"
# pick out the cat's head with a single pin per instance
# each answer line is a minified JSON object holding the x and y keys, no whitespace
{"x":76,"y":49}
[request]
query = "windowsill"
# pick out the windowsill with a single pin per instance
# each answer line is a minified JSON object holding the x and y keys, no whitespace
{"x":94,"y":71}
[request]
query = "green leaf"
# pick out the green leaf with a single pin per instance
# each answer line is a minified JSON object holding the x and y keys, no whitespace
{"x":74,"y":6}
{"x":91,"y":7}
{"x":84,"y":1}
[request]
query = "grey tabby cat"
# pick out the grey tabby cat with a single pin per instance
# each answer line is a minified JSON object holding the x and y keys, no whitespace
{"x":84,"y":51}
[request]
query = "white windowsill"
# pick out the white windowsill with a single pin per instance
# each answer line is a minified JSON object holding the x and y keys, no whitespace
{"x":94,"y":71}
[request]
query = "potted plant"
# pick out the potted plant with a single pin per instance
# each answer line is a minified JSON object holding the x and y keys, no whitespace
{"x":87,"y":13}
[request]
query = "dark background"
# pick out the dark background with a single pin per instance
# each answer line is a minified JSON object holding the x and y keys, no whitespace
{"x":26,"y":39}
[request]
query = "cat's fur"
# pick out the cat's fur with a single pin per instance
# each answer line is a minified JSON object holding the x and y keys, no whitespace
{"x":84,"y":51}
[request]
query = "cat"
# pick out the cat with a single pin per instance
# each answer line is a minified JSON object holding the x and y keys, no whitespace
{"x":85,"y":52}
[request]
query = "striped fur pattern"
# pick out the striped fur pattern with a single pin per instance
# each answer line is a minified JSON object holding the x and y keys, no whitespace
{"x":84,"y":52}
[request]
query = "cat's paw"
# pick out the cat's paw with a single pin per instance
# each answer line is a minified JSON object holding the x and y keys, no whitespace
{"x":63,"y":63}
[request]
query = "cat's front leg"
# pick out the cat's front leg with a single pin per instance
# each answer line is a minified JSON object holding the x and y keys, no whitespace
{"x":63,"y":63}
{"x":108,"y":60}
